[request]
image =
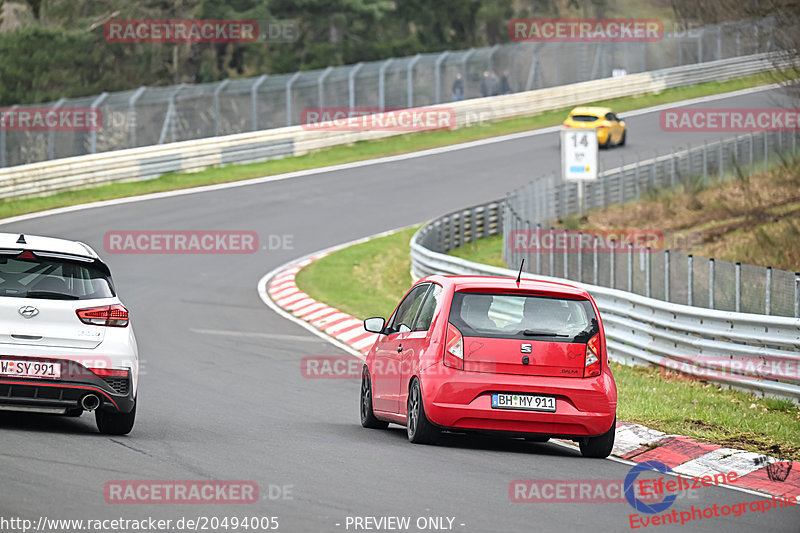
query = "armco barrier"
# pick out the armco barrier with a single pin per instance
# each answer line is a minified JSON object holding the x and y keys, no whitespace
{"x":187,"y":156}
{"x":640,"y":330}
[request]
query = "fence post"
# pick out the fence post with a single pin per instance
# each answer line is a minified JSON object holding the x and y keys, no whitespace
{"x":636,"y":183}
{"x":132,"y":114}
{"x":3,"y":157}
{"x":410,"y":79}
{"x":630,"y":267}
{"x":648,"y":264}
{"x":565,"y":257}
{"x":666,"y":276}
{"x":580,"y":257}
{"x":768,"y":295}
{"x":289,"y":84}
{"x":594,"y":262}
{"x":689,"y":275}
{"x":382,"y":83}
{"x":611,"y":272}
{"x":738,"y":287}
{"x":552,"y":253}
{"x":95,"y":104}
{"x":705,"y":165}
{"x":464,"y":69}
{"x":721,"y":163}
{"x":621,"y":181}
{"x":438,"y":75}
{"x":797,"y":294}
{"x":711,"y":283}
{"x":351,"y":85}
{"x":51,"y":137}
{"x":217,"y":107}
{"x":492,"y":51}
{"x":254,"y":98}
{"x":320,"y":86}
{"x":766,"y":150}
{"x":539,"y":249}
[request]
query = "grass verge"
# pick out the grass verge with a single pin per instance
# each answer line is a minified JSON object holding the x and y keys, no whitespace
{"x":369,"y":279}
{"x":360,"y":151}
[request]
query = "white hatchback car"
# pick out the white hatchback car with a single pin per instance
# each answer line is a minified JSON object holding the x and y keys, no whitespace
{"x":66,"y":343}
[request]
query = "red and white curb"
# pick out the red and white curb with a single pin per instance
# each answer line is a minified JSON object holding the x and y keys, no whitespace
{"x":634,"y":443}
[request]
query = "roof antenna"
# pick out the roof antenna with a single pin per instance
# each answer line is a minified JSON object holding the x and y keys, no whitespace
{"x":21,"y":239}
{"x":519,"y":276}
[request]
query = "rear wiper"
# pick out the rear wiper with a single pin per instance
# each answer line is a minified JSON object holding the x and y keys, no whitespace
{"x":542,"y":333}
{"x":51,"y":295}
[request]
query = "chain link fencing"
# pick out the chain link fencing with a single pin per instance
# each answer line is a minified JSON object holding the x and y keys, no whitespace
{"x":155,"y":115}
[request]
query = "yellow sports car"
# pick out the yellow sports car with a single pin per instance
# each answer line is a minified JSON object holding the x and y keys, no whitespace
{"x":610,"y":128}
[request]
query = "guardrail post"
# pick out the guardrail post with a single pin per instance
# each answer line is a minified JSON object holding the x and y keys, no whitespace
{"x":690,"y":276}
{"x":613,"y":251}
{"x":768,"y":292}
{"x":254,"y":100}
{"x":595,"y":271}
{"x":797,"y":294}
{"x":351,"y":84}
{"x":438,"y":76}
{"x":410,"y":79}
{"x":711,"y":283}
{"x":630,"y":267}
{"x":132,"y":114}
{"x":382,"y":83}
{"x":289,"y":109}
{"x":666,"y":276}
{"x":51,"y":135}
{"x":217,"y":107}
{"x":738,"y":287}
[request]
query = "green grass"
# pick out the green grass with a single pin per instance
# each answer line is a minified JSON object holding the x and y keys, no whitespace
{"x":360,"y":151}
{"x":662,"y":401}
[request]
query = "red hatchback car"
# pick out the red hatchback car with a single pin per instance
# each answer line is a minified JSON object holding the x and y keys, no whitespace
{"x":487,"y":354}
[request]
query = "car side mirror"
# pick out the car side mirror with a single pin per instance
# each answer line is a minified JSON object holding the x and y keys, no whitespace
{"x":375,"y":324}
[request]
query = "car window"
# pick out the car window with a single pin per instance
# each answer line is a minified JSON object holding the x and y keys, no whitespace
{"x":407,"y":310}
{"x":428,"y":310}
{"x":523,"y":316}
{"x":584,"y":118}
{"x":611,"y":117}
{"x":36,"y":277}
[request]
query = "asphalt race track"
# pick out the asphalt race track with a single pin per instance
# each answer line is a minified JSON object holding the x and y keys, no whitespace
{"x":221,"y":395}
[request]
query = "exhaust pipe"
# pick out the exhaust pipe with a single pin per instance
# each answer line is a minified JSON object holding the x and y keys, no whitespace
{"x":90,"y":402}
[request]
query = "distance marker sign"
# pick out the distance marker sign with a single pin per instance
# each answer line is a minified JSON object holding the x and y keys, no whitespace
{"x":578,"y":155}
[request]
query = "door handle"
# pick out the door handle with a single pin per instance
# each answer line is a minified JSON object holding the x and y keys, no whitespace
{"x":399,"y":349}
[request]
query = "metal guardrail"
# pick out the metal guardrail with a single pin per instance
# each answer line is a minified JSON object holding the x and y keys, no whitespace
{"x":662,"y":274}
{"x":744,"y":351}
{"x":48,"y":177}
{"x":156,"y":115}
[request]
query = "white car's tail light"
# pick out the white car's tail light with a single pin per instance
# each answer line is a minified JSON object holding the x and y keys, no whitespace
{"x":108,"y":315}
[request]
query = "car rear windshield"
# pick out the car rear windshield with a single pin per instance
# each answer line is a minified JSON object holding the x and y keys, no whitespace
{"x":520,"y":316}
{"x":584,"y":118}
{"x":51,"y":278}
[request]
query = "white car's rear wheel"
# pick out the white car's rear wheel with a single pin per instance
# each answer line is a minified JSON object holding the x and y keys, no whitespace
{"x":115,"y":423}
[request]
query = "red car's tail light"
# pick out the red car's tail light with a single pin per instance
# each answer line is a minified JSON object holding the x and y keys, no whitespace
{"x":592,"y":365}
{"x":454,"y":348}
{"x":109,"y":372}
{"x":108,"y":315}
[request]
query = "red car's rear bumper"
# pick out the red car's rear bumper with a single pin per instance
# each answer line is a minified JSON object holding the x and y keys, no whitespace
{"x":462,"y":400}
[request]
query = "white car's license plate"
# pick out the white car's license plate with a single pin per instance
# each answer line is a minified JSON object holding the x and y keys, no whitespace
{"x":528,"y":402}
{"x":29,"y":369}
